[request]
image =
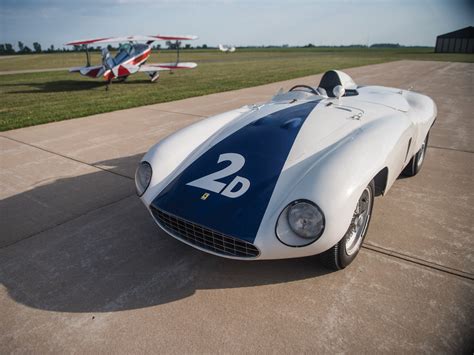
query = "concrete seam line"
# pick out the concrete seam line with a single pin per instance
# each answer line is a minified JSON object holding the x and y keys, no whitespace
{"x":178,"y":113}
{"x":419,"y":262}
{"x":66,"y":157}
{"x":67,"y":221}
{"x":397,"y":253}
{"x":453,"y":149}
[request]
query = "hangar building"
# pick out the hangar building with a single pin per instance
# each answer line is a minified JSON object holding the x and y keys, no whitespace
{"x":460,"y":41}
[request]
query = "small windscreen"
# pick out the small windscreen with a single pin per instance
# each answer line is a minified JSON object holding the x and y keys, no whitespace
{"x":123,"y":53}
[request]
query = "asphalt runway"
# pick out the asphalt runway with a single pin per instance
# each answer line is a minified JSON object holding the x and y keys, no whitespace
{"x":83,"y":268}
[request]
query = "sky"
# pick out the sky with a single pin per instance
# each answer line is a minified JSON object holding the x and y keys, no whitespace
{"x":265,"y":22}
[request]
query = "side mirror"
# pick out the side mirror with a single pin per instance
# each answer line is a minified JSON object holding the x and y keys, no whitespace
{"x":338,"y":91}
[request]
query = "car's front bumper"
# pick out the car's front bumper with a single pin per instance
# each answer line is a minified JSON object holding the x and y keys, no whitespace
{"x":266,"y":245}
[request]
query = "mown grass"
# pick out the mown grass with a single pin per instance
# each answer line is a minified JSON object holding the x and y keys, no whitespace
{"x":30,"y":99}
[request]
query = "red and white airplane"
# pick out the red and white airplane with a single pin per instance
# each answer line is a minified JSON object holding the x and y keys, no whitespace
{"x":130,"y":59}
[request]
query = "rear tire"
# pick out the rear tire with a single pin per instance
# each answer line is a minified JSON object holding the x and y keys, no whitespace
{"x":346,"y":250}
{"x":416,"y":162}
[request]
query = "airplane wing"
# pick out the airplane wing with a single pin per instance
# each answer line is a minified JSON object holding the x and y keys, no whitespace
{"x":138,"y":38}
{"x":175,"y":38}
{"x":166,"y":66}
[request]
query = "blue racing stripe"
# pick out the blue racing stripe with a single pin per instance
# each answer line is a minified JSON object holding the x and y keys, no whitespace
{"x":265,"y":145}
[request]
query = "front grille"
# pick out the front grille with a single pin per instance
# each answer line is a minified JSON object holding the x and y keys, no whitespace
{"x":203,"y":237}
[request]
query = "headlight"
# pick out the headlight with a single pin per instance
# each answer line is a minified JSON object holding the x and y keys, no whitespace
{"x":300,"y":223}
{"x":305,"y":220}
{"x":143,"y":177}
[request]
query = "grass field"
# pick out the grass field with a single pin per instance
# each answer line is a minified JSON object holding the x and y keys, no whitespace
{"x":35,"y":98}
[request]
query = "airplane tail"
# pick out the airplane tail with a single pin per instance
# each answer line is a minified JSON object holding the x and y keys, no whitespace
{"x":167,"y":66}
{"x":153,"y":70}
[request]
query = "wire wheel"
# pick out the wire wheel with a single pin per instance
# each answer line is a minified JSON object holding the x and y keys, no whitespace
{"x":360,"y":221}
{"x":421,"y":155}
{"x":346,"y":250}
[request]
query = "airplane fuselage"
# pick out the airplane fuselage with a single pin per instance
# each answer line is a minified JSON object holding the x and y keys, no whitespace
{"x":127,"y":61}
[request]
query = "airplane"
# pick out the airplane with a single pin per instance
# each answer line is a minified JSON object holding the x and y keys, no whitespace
{"x":225,"y":48}
{"x":131,"y":58}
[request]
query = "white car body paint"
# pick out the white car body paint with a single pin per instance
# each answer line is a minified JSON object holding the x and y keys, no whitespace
{"x":343,"y":144}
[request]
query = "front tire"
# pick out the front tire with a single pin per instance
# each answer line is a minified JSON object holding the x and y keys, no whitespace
{"x":346,"y":250}
{"x":416,"y":162}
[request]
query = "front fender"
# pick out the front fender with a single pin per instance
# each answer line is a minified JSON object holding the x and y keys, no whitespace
{"x":334,"y":179}
{"x":168,"y":155}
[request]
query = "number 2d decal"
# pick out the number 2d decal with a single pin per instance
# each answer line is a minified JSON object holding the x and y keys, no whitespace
{"x":210,"y":183}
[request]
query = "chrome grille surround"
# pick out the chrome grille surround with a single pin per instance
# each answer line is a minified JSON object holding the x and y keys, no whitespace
{"x":203,"y":237}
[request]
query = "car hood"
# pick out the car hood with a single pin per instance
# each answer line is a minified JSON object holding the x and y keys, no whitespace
{"x":228,"y":187}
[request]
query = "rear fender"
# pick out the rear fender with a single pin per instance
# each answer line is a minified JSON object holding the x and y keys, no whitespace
{"x":423,"y":114}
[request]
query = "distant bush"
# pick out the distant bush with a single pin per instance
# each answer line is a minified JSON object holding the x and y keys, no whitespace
{"x":386,"y":45}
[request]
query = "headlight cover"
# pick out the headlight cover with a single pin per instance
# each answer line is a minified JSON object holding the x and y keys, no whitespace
{"x":143,"y":177}
{"x":300,"y":223}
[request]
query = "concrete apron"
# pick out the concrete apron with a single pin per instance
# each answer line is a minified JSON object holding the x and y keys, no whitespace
{"x":78,"y":247}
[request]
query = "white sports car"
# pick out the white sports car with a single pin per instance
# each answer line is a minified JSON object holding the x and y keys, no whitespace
{"x":292,"y":177}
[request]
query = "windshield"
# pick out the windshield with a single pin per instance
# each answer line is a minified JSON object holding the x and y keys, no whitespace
{"x":294,"y":95}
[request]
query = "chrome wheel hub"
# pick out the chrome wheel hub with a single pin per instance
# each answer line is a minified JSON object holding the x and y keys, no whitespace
{"x":359,"y":223}
{"x":422,"y":153}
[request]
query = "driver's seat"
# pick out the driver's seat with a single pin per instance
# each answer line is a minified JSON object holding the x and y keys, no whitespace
{"x":333,"y":78}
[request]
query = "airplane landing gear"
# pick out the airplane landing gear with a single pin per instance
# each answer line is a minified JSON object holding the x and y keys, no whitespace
{"x":154,"y":76}
{"x":109,"y":82}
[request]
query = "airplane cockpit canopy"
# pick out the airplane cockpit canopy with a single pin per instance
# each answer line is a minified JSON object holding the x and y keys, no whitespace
{"x":129,"y":50}
{"x":124,"y":52}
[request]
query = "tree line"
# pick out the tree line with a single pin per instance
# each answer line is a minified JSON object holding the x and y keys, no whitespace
{"x":8,"y":48}
{"x":375,"y":45}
